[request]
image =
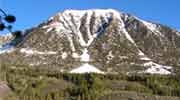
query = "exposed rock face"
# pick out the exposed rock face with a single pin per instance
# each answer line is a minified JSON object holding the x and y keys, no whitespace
{"x":107,"y":39}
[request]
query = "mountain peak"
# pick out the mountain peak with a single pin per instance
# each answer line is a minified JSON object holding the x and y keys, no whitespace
{"x":102,"y":12}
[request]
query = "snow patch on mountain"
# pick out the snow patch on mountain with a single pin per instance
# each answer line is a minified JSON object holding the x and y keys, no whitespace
{"x":64,"y":55}
{"x":155,"y":68}
{"x":123,"y":29}
{"x":86,"y":68}
{"x":75,"y":55}
{"x":49,"y":29}
{"x":141,"y":53}
{"x":128,"y":36}
{"x":29,"y":51}
{"x":152,"y":27}
{"x":178,"y":33}
{"x":7,"y":48}
{"x":143,"y":56}
{"x":85,"y":56}
{"x":110,"y":55}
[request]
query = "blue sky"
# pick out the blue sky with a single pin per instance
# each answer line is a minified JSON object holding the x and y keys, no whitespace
{"x":32,"y":12}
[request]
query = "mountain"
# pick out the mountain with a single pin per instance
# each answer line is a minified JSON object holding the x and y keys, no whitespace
{"x":106,"y":41}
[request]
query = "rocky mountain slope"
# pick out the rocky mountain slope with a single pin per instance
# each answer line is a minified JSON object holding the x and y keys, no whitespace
{"x":102,"y":41}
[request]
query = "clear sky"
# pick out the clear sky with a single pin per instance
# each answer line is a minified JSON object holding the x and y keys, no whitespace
{"x":32,"y":12}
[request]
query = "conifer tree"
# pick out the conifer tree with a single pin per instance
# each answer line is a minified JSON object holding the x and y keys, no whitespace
{"x":5,"y":23}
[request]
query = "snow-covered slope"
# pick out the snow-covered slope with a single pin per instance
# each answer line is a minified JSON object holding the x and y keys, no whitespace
{"x":103,"y":39}
{"x":86,"y":68}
